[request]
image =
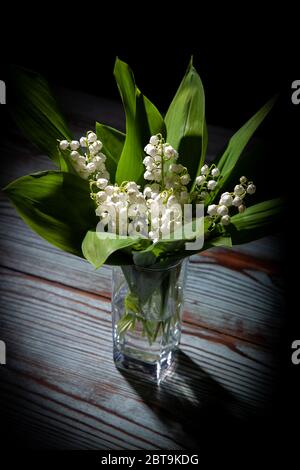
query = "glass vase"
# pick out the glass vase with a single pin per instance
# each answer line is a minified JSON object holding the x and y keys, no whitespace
{"x":147,"y":305}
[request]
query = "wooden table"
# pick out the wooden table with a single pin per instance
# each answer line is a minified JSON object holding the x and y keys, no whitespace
{"x":60,"y":388}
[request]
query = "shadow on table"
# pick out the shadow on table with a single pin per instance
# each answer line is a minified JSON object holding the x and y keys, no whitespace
{"x":192,"y":404}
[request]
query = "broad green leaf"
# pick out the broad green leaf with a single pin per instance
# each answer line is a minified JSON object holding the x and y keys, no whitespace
{"x":224,"y":240}
{"x":142,"y":121}
{"x":185,"y":121}
{"x":173,"y":249}
{"x":157,"y":252}
{"x":257,"y":221}
{"x":35,"y":111}
{"x":166,"y":252}
{"x":56,"y":205}
{"x":97,"y":247}
{"x":150,"y":117}
{"x":65,"y":162}
{"x":113,"y":143}
{"x":215,"y":242}
{"x":226,"y":163}
{"x":130,"y":166}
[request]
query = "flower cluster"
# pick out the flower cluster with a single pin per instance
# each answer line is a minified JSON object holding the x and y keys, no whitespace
{"x":206,"y":182}
{"x":122,"y":209}
{"x":86,"y":157}
{"x":168,"y":191}
{"x":165,"y":212}
{"x":126,"y":210}
{"x":161,"y":166}
{"x":155,"y":211}
{"x":220,"y":212}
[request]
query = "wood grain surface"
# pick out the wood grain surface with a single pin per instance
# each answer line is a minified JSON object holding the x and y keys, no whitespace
{"x":60,"y":388}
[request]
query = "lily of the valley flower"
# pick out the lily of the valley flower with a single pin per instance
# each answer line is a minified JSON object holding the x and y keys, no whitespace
{"x":220,"y":212}
{"x":157,"y":210}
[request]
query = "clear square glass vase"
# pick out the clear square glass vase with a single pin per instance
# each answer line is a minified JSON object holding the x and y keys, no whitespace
{"x":147,"y":305}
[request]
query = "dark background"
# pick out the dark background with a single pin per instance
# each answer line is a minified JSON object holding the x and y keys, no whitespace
{"x":236,"y":84}
{"x":244,"y":56}
{"x":241,"y":67}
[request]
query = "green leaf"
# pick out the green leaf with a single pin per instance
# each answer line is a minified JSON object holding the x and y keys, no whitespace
{"x":65,"y":162}
{"x":168,"y":251}
{"x":185,"y":121}
{"x":159,"y":251}
{"x":151,"y":120}
{"x":142,"y":121}
{"x":223,"y":240}
{"x":113,"y":143}
{"x":97,"y":247}
{"x":226,"y":163}
{"x":257,"y":221}
{"x":132,"y":303}
{"x":56,"y":205}
{"x":126,"y":323}
{"x":35,"y":111}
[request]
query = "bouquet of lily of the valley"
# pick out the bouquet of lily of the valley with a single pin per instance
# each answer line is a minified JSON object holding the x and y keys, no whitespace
{"x":146,"y":198}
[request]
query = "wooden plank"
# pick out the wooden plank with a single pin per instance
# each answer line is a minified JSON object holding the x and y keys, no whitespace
{"x":233,"y":291}
{"x":64,"y":339}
